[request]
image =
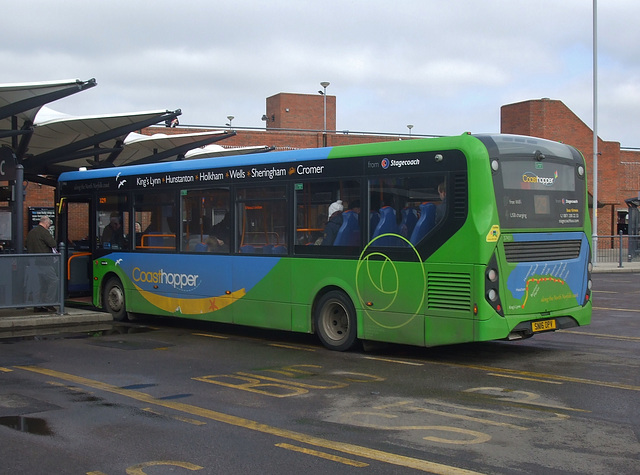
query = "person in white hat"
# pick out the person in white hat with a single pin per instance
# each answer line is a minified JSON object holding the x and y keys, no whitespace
{"x":333,"y":224}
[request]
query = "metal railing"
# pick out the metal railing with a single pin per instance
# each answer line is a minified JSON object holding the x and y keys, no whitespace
{"x":32,"y":280}
{"x":618,"y":249}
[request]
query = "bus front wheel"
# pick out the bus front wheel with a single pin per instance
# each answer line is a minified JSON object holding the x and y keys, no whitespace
{"x":335,"y":321}
{"x":113,"y":299}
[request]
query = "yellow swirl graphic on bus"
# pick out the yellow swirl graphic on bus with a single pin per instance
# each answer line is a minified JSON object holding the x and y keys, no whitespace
{"x":181,"y":306}
{"x":387,"y":289}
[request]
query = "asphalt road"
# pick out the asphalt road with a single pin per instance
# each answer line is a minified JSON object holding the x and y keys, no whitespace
{"x":159,"y":396}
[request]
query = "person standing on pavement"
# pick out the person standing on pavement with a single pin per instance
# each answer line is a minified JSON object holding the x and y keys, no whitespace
{"x":40,"y":241}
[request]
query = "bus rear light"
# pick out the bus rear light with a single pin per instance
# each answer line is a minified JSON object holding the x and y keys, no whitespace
{"x":492,"y":285}
{"x":475,"y":309}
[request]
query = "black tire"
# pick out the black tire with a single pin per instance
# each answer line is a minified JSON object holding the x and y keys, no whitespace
{"x":113,"y":299}
{"x":335,"y":321}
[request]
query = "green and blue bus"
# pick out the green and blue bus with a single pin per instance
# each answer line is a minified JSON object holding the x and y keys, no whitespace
{"x":429,"y":242}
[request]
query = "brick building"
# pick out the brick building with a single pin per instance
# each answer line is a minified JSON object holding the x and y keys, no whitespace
{"x":295,"y":121}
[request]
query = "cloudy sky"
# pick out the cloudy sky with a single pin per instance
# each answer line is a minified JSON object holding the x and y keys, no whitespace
{"x":444,"y":66}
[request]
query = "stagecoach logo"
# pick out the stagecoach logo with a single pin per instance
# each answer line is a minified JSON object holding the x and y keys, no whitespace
{"x":385,"y":163}
{"x":529,"y":177}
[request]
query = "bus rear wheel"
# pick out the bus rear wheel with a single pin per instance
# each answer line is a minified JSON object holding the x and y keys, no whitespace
{"x":335,"y":321}
{"x":113,"y":299}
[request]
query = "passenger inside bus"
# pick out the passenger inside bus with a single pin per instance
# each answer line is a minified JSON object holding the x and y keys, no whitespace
{"x":215,"y":244}
{"x":334,"y":223}
{"x":113,"y":235}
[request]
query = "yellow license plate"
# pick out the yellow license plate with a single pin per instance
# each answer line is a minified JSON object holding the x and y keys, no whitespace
{"x":543,"y":325}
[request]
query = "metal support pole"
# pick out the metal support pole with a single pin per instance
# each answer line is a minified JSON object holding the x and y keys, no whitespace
{"x":18,"y":243}
{"x":620,"y":260}
{"x":595,"y":132}
{"x":62,"y":249}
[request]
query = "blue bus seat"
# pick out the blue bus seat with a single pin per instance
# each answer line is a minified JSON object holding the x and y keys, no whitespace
{"x":374,"y":219}
{"x":349,"y":232}
{"x":267,"y":249}
{"x":247,"y":249}
{"x":279,"y":249}
{"x":386,"y":225}
{"x":200,"y":247}
{"x":426,"y":222}
{"x":409,"y":220}
{"x":195,"y":240}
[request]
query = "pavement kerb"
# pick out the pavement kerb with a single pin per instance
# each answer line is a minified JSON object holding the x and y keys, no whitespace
{"x":14,"y":319}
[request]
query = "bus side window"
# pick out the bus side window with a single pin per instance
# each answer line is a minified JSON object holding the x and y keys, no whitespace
{"x":328,"y":214}
{"x":113,"y":222}
{"x":404,"y":210}
{"x":206,"y":221}
{"x":262,"y":220}
{"x":159,"y":220}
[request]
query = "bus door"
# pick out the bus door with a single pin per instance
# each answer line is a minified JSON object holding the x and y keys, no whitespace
{"x":76,"y":231}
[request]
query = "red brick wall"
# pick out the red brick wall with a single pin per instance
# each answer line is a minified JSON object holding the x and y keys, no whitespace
{"x":300,"y":111}
{"x":37,"y":196}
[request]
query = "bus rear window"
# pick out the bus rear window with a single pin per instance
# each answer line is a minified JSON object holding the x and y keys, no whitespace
{"x":533,"y":194}
{"x":529,"y":175}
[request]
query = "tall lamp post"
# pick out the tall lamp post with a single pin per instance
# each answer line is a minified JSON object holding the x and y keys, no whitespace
{"x":595,"y":134}
{"x":324,"y":85}
{"x":410,"y":126}
{"x":230,"y":117}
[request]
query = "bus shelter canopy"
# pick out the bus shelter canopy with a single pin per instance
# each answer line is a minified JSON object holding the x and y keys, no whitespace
{"x":47,"y":142}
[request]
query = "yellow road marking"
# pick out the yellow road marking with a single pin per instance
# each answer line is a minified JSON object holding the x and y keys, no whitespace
{"x":554,"y":377}
{"x":323,"y":455}
{"x":5,"y":370}
{"x":188,"y":420}
{"x":208,"y":335}
{"x":471,"y":409}
{"x":389,"y":360}
{"x":603,"y":335}
{"x":138,"y":469}
{"x":351,"y":449}
{"x":635,"y":310}
{"x":292,"y":347}
{"x":524,"y":378}
{"x":450,"y":415}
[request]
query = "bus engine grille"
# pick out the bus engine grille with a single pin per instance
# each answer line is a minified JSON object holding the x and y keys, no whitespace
{"x":532,"y":251}
{"x":448,"y":291}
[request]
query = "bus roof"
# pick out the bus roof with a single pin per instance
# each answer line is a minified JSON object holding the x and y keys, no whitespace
{"x":504,"y":144}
